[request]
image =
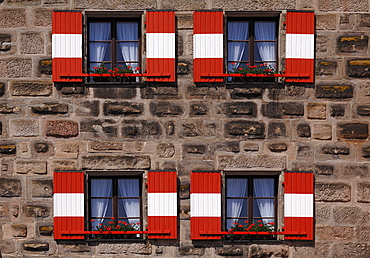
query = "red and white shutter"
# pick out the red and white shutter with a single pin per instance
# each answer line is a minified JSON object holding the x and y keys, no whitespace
{"x":299,"y":204}
{"x":160,"y":45}
{"x":68,"y":203}
{"x":205,"y":204}
{"x":208,"y":45}
{"x":66,"y":45}
{"x":300,"y":45}
{"x":162,"y":203}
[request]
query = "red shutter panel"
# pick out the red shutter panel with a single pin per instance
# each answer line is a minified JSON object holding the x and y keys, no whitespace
{"x":66,"y":45}
{"x":208,"y":45}
{"x":160,"y":45}
{"x":162,"y":203}
{"x":300,"y":45}
{"x":299,"y":204}
{"x":205,"y":204}
{"x":68,"y":203}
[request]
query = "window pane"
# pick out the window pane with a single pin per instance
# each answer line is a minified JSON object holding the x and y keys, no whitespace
{"x":264,"y":187}
{"x":128,"y":208}
{"x":129,"y":187}
{"x":99,"y":31}
{"x":237,"y":30}
{"x":265,"y":52}
{"x":101,"y":208}
{"x":265,"y":30}
{"x":127,"y":31}
{"x":237,"y":208}
{"x":99,"y":52}
{"x":263,"y":208}
{"x":101,"y":188}
{"x":237,"y":51}
{"x":236,"y":187}
{"x":128,"y":52}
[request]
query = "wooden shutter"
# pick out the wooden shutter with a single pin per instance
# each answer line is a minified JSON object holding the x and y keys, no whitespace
{"x":208,"y":45}
{"x":66,"y":45}
{"x":162,"y":203}
{"x":299,"y":204}
{"x":300,"y":45}
{"x":68,"y":203}
{"x":205,"y":204}
{"x":160,"y":45}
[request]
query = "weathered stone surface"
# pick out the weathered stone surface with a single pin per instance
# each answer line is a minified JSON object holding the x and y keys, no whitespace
{"x":7,"y":148}
{"x":19,"y":230}
{"x":198,"y":109}
{"x":278,"y":147}
{"x":141,"y":129}
{"x":191,"y":250}
{"x":246,"y":93}
{"x":316,"y":111}
{"x":169,"y":128}
{"x":31,"y":88}
{"x":50,"y":109}
{"x":326,"y":22}
{"x":332,"y":192}
{"x":225,"y":147}
{"x":322,"y":214}
{"x":278,"y":110}
{"x":64,"y":165}
{"x":36,"y":211}
{"x":106,"y":146}
{"x":365,"y":151}
{"x":61,"y":128}
{"x":251,"y":161}
{"x":5,"y":44}
{"x":185,"y":212}
{"x":362,"y":234}
{"x":114,"y":93}
{"x":30,"y":166}
{"x":42,"y":188}
{"x":72,"y":89}
{"x":36,"y":246}
{"x":198,"y":128}
{"x":353,"y":130}
{"x":45,"y":66}
{"x":335,"y":150}
{"x":191,"y":148}
{"x":322,"y":131}
{"x":133,"y":248}
{"x":351,"y":216}
{"x":333,"y":91}
{"x":355,"y":250}
{"x":24,"y":128}
{"x":363,"y":192}
{"x":165,"y":150}
{"x":108,"y":5}
{"x":353,"y":44}
{"x":5,"y":108}
{"x":245,"y":129}
{"x":337,"y":6}
{"x":250,"y":147}
{"x":182,"y":68}
{"x":267,"y":250}
{"x":165,"y":109}
{"x":304,"y":130}
{"x":276,"y":130}
{"x":7,"y":247}
{"x":329,"y":233}
{"x":10,"y":187}
{"x":161,"y":92}
{"x":15,"y":67}
{"x":240,"y":109}
{"x":123,"y":108}
{"x":42,"y":17}
{"x":31,"y":43}
{"x":13,"y":18}
{"x":77,"y":249}
{"x":41,"y":147}
{"x":352,"y":171}
{"x":326,"y":67}
{"x":206,"y":92}
{"x":337,"y":111}
{"x":359,"y":68}
{"x":46,"y":230}
{"x":305,"y":152}
{"x":323,"y":169}
{"x":230,"y":251}
{"x":87,"y":108}
{"x":116,"y":162}
{"x":363,"y":110}
{"x":99,"y":128}
{"x":2,"y":89}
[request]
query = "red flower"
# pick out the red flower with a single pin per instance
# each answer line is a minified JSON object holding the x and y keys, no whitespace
{"x":271,"y":223}
{"x":233,"y":63}
{"x":120,"y":222}
{"x":262,"y":65}
{"x":137,"y":68}
{"x":109,"y":71}
{"x":128,"y":67}
{"x":258,"y":221}
{"x":235,"y":223}
{"x":92,"y":220}
{"x":261,"y":225}
{"x":246,"y":221}
{"x":231,"y":229}
{"x":109,"y":228}
{"x":240,"y":226}
{"x":124,"y":223}
{"x":110,"y":222}
{"x":138,"y":223}
{"x":100,"y":224}
{"x":113,"y":218}
{"x":240,"y":68}
{"x":95,"y":67}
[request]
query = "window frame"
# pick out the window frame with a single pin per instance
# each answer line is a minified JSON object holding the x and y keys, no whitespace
{"x":278,"y":204}
{"x":113,"y":18}
{"x":114,"y":176}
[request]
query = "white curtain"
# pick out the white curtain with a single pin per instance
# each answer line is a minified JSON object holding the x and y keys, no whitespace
{"x":264,"y":187}
{"x":131,"y":207}
{"x":99,"y":31}
{"x":265,"y":30}
{"x":99,"y":207}
{"x":128,"y":31}
{"x":236,"y":50}
{"x":236,"y":187}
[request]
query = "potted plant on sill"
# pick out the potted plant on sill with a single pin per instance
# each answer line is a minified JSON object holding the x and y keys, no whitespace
{"x":113,"y":75}
{"x":253,"y":73}
{"x":258,"y":226}
{"x":114,"y":225}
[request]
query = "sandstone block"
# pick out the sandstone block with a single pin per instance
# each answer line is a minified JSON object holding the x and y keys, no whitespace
{"x":332,"y":192}
{"x":169,"y":128}
{"x":105,"y":4}
{"x":351,"y":216}
{"x":359,"y":68}
{"x":31,"y":43}
{"x":165,"y":150}
{"x":30,"y":166}
{"x":362,"y":234}
{"x":123,"y":108}
{"x":225,"y":146}
{"x":36,"y":246}
{"x":250,"y":147}
{"x":266,"y":250}
{"x":322,"y":214}
{"x":357,"y":250}
{"x":365,"y":151}
{"x":316,"y":111}
{"x":185,"y":212}
{"x":184,"y":191}
{"x":190,"y":250}
{"x":278,"y":110}
{"x":321,"y":169}
{"x":352,"y":44}
{"x":363,"y":192}
{"x":5,"y":44}
{"x":19,"y":230}
{"x":278,"y":147}
{"x":87,"y":108}
{"x":246,"y":93}
{"x":7,"y":148}
{"x":198,"y":109}
{"x":13,"y":18}
{"x":114,"y":93}
{"x":106,"y":146}
{"x":182,"y":67}
{"x":335,"y":150}
{"x":328,"y":233}
{"x":41,"y":147}
{"x":5,"y":108}
{"x":76,"y":249}
{"x":72,"y":89}
{"x":230,"y":251}
{"x":61,"y":128}
{"x":326,"y":22}
{"x":155,"y":92}
{"x":16,"y":67}
{"x":99,"y":128}
{"x":141,"y":129}
{"x":206,"y":91}
{"x":337,"y":5}
{"x":245,"y":129}
{"x":119,"y":162}
{"x":2,"y":89}
{"x":322,"y":131}
{"x":304,"y":130}
{"x":276,"y":130}
{"x":337,"y":111}
{"x":326,"y":67}
{"x":198,"y":128}
{"x":305,"y":152}
{"x":352,"y":171}
{"x":353,"y":130}
{"x":46,"y":230}
{"x":45,"y":66}
{"x":64,"y":165}
{"x":42,"y":17}
{"x":240,"y":109}
{"x":251,"y":161}
{"x":50,"y":109}
{"x":190,"y":148}
{"x":42,"y":188}
{"x":363,"y":110}
{"x":10,"y":187}
{"x":20,"y":88}
{"x":333,"y":91}
{"x":36,"y":211}
{"x":165,"y":109}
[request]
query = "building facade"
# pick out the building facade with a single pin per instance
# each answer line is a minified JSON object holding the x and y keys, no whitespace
{"x":184,"y":128}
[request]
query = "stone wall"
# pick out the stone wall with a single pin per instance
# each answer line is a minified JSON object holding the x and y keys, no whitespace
{"x":322,"y":127}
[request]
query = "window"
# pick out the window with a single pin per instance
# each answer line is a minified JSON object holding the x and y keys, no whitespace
{"x":250,"y":201}
{"x":114,"y":44}
{"x":251,"y":44}
{"x":115,"y":201}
